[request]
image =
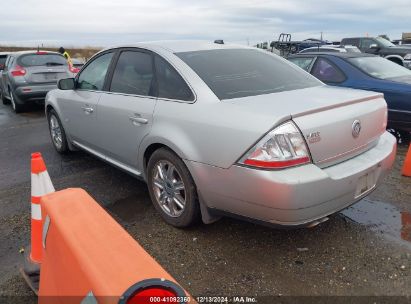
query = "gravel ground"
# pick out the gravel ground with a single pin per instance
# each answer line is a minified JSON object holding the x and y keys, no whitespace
{"x":363,"y":251}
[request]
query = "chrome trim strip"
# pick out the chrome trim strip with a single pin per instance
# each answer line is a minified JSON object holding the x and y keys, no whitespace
{"x":108,"y":159}
{"x":399,"y":111}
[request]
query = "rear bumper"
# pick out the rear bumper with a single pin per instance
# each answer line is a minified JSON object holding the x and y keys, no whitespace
{"x":34,"y":93}
{"x":296,"y":196}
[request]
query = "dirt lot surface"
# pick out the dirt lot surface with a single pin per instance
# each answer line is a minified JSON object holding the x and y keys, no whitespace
{"x":362,"y":251}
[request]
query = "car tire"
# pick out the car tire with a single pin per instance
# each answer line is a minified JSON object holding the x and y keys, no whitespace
{"x":17,"y":107}
{"x":172,"y":189}
{"x":57,"y":133}
{"x":3,"y":98}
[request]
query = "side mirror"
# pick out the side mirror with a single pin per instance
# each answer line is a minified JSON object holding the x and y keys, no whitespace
{"x":374,"y":46}
{"x":66,"y":84}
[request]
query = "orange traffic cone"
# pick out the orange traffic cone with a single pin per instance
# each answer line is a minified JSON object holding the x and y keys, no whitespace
{"x":406,"y":169}
{"x":40,"y":185}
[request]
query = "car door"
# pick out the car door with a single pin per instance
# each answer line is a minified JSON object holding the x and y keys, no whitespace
{"x":79,"y":106}
{"x":125,"y":112}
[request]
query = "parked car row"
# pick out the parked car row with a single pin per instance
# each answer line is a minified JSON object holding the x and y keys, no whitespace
{"x":27,"y":76}
{"x":218,"y":129}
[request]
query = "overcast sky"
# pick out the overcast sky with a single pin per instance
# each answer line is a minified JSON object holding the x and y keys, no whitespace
{"x":108,"y":22}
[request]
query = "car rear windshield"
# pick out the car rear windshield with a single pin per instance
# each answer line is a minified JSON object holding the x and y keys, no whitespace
{"x":31,"y":60}
{"x":379,"y":67}
{"x":235,"y":73}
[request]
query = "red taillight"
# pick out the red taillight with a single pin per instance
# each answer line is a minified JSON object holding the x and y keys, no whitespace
{"x":151,"y":295}
{"x":283,"y":147}
{"x":74,"y":70}
{"x":277,"y":164}
{"x":18,"y":71}
{"x":41,"y":53}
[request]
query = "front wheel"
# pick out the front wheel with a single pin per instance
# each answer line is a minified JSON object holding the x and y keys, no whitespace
{"x":57,"y":134}
{"x":172,"y":189}
{"x":18,"y":108}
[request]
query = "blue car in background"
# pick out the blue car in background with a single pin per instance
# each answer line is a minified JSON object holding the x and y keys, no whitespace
{"x":367,"y":72}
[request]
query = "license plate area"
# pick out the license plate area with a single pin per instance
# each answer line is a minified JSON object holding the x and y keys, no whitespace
{"x":365,"y":184}
{"x":50,"y":76}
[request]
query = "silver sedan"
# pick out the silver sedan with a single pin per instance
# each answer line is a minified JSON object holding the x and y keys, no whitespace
{"x":218,"y":129}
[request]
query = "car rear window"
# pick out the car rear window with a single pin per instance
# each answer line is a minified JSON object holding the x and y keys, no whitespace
{"x":235,"y":73}
{"x":41,"y":60}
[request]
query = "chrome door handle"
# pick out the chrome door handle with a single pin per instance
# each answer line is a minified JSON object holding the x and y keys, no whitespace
{"x":138,"y":120}
{"x":88,"y":110}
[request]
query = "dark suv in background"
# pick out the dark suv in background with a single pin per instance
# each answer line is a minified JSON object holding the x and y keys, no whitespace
{"x":382,"y":47}
{"x":29,"y":75}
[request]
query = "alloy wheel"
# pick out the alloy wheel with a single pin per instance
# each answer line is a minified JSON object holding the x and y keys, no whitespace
{"x":55,"y":131}
{"x":169,"y":188}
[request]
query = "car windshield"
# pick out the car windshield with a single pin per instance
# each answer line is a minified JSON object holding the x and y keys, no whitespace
{"x":379,"y":67}
{"x":384,"y":42}
{"x":235,"y":73}
{"x":42,"y":60}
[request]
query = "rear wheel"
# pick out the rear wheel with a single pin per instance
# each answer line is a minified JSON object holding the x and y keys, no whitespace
{"x":18,"y":108}
{"x":57,"y":134}
{"x":172,"y":189}
{"x":3,"y":98}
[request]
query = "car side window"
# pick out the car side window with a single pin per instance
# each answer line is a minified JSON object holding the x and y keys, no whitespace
{"x":169,"y":82}
{"x":304,"y":63}
{"x":327,"y":72}
{"x":366,"y":43}
{"x":94,"y":74}
{"x":133,"y":74}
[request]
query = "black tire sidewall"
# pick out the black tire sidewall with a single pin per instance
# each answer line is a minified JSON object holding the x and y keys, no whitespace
{"x":64,"y":145}
{"x":18,"y":107}
{"x":191,"y":211}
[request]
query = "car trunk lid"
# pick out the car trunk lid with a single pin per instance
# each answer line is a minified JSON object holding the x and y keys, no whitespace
{"x":327,"y":117}
{"x":339,"y":133}
{"x":46,"y":74}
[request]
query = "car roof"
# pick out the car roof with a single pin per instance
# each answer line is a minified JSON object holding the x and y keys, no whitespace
{"x":33,"y":52}
{"x":177,"y":46}
{"x":342,"y":55}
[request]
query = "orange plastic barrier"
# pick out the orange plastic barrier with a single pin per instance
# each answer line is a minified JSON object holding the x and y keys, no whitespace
{"x":88,"y":256}
{"x":406,"y":169}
